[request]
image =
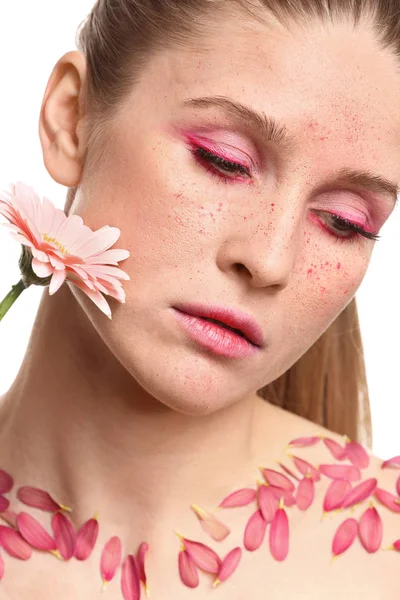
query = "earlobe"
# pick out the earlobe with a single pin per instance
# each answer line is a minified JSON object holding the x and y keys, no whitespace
{"x":61,"y":116}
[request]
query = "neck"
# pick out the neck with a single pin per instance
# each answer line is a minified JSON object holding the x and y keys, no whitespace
{"x":91,"y":436}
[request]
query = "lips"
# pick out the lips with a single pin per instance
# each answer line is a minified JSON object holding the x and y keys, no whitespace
{"x":227,"y":317}
{"x":226,"y":327}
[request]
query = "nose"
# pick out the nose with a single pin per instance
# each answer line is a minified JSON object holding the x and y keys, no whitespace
{"x":265,"y":251}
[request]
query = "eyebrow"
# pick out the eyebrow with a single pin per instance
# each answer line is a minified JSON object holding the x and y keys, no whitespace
{"x":272,"y":130}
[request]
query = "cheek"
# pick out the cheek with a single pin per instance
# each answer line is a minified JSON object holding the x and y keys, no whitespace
{"x":333,"y":281}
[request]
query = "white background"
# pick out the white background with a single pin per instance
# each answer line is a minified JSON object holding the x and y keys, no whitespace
{"x":34,"y":35}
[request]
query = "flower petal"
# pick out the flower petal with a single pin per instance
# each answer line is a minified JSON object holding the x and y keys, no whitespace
{"x":303,"y":442}
{"x":288,"y":471}
{"x":335,"y":494}
{"x":110,"y":558}
{"x":95,"y":296}
{"x":34,"y":533}
{"x":268,"y":502}
{"x":391,"y":463}
{"x":229,"y":565}
{"x":130,"y":579}
{"x":241,"y":497}
{"x":348,"y":472}
{"x":398,"y":486}
{"x":210,"y":524}
{"x":4,"y":504}
{"x":344,"y":537}
{"x":337,"y":451}
{"x":14,"y":544}
{"x":203,"y":556}
{"x":86,"y":539}
{"x":10,"y":517}
{"x":357,"y":454}
{"x":6,"y":482}
{"x":279,"y":493}
{"x":141,"y":557}
{"x":279,"y":534}
{"x":38,"y":498}
{"x":387,"y":499}
{"x":371,"y":529}
{"x":64,"y":535}
{"x":255,"y":531}
{"x":187,"y":570}
{"x":359,"y":493}
{"x":277,"y":479}
{"x":305,"y":467}
{"x":305,"y":493}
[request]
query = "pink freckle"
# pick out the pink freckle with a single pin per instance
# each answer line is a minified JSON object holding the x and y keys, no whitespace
{"x":202,"y":207}
{"x":178,"y":195}
{"x":309,"y":271}
{"x":345,"y":291}
{"x":272,"y":204}
{"x":338,"y":266}
{"x":327,"y":263}
{"x":211,"y":215}
{"x":323,"y":290}
{"x":245,"y":218}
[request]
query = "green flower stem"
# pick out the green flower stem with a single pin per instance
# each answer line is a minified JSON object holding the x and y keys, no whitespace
{"x":11,"y":297}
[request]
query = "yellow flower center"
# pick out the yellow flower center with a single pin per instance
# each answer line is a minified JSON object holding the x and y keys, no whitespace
{"x":56,"y":243}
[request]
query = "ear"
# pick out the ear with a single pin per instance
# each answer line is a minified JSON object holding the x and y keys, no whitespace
{"x":61,"y":122}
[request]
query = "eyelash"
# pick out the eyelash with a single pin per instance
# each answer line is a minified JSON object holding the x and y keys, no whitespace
{"x":211,"y":159}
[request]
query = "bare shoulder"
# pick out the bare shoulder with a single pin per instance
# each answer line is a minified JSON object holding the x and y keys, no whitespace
{"x":369,"y":567}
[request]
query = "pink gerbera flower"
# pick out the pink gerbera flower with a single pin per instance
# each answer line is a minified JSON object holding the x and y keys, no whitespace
{"x":56,"y":248}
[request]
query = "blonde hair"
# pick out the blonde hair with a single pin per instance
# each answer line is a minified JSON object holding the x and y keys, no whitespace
{"x":327,"y":385}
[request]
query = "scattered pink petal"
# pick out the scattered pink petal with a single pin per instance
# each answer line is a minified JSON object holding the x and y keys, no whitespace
{"x":210,"y":524}
{"x":6,"y":482}
{"x":371,"y":529}
{"x":357,"y":454}
{"x":279,"y":493}
{"x":255,"y":531}
{"x":348,"y":472}
{"x":277,"y":479}
{"x":4,"y":504}
{"x":396,"y":545}
{"x":110,"y":558}
{"x":305,"y":493}
{"x":1,"y":567}
{"x":279,"y":535}
{"x":288,"y":471}
{"x":267,"y":502}
{"x":337,"y":451}
{"x":14,"y":544}
{"x":34,"y":533}
{"x":86,"y":539}
{"x":335,"y":494}
{"x":64,"y":247}
{"x":203,"y":556}
{"x":37,"y":498}
{"x":64,"y":535}
{"x":345,"y":535}
{"x":391,"y":463}
{"x":305,"y":467}
{"x":304,"y":442}
{"x":359,"y":493}
{"x":187,"y":570}
{"x":229,"y":565}
{"x":387,"y":499}
{"x":141,"y":560}
{"x":130,"y":579}
{"x":239,"y":498}
{"x":10,"y":517}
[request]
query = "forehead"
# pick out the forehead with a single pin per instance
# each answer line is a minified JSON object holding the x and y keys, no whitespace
{"x":327,"y":84}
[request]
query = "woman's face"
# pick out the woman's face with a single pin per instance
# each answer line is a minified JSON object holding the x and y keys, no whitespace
{"x":264,"y":238}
